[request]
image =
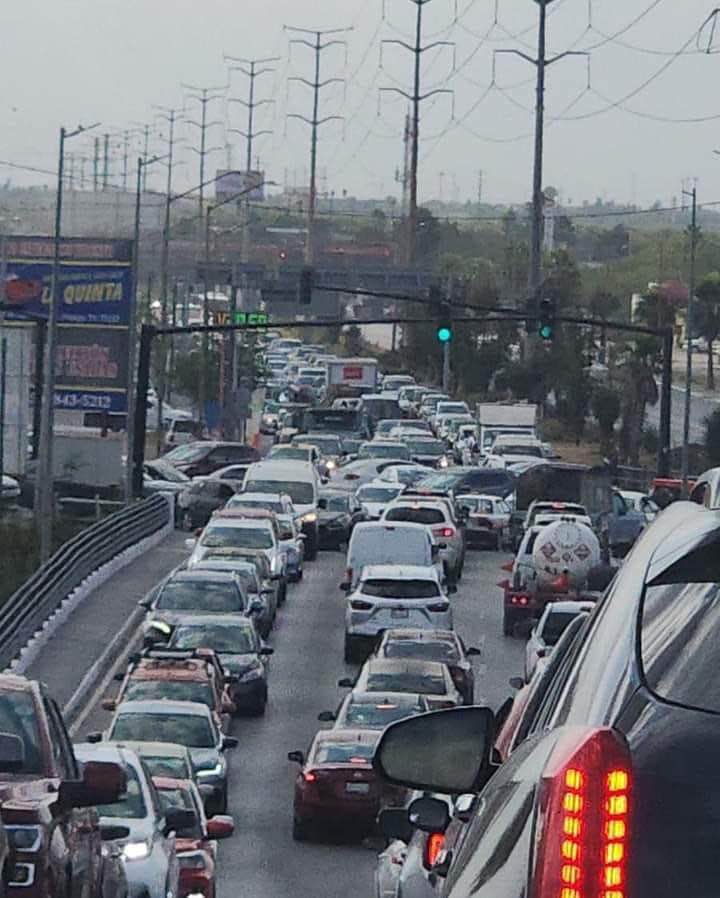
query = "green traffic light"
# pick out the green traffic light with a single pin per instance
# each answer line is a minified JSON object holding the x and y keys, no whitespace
{"x":444,"y":334}
{"x":546,"y":332}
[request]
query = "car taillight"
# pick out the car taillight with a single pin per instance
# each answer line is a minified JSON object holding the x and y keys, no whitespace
{"x":584,"y":819}
{"x":359,"y":605}
{"x":309,"y":776}
{"x":438,"y":606}
{"x":445,"y":532}
{"x":519,"y":600}
{"x":434,"y":845}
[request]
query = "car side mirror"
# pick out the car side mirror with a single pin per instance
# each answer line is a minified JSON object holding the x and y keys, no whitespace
{"x":221,"y":826}
{"x":394,"y":824}
{"x":12,"y":753}
{"x":517,"y":682}
{"x":119,"y":676}
{"x":473,"y":652}
{"x":327,"y":717}
{"x":266,"y":650}
{"x":110,"y":833}
{"x":93,"y":738}
{"x":297,"y":757}
{"x":346,"y":683}
{"x":102,"y":783}
{"x":322,"y":504}
{"x":543,"y":653}
{"x":179,"y":819}
{"x":145,"y":603}
{"x":344,"y":587}
{"x":444,"y":751}
{"x":229,"y":742}
{"x":430,"y":815}
{"x":108,"y":704}
{"x":256,"y":606}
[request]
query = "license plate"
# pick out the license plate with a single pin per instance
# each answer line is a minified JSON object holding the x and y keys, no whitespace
{"x":399,"y":613}
{"x":357,"y":788}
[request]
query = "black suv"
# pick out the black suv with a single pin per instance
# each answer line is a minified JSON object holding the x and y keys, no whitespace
{"x":614,"y":791}
{"x":203,"y":457}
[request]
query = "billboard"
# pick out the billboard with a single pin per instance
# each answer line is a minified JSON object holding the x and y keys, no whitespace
{"x":230,"y":182}
{"x":95,"y":293}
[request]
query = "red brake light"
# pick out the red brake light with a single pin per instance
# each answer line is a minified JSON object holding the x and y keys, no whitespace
{"x":584,"y":819}
{"x":445,"y":532}
{"x":309,"y":776}
{"x":519,"y":600}
{"x":434,"y":845}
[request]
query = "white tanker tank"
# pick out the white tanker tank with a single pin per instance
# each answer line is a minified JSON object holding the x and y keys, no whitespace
{"x":564,"y":553}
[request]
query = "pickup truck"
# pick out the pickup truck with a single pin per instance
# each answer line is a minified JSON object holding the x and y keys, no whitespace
{"x":47,"y":804}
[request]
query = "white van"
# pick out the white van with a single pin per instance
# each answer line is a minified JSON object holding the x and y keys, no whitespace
{"x":297,"y":479}
{"x":374,"y":542}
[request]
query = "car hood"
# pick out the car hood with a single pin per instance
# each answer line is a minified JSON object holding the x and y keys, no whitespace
{"x":203,"y":758}
{"x":326,"y":516}
{"x":140,"y":829}
{"x":238,"y":664}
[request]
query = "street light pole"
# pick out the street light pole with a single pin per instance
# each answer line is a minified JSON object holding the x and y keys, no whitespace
{"x":688,"y":340}
{"x":44,"y":491}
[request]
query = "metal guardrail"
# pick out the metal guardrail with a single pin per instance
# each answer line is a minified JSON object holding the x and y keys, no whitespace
{"x":30,"y":606}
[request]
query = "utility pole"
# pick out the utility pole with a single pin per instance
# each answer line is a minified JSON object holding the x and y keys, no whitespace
{"x":252,"y":69}
{"x":96,"y":164}
{"x":415,"y":98}
{"x":317,"y":45}
{"x":688,"y":338}
{"x":106,"y":161}
{"x":541,"y":63}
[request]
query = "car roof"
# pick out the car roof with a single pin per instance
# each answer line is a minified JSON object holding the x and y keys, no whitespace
{"x":360,"y":697}
{"x":172,"y":782}
{"x":205,"y":620}
{"x":399,"y":572}
{"x":241,"y":518}
{"x":402,"y":665}
{"x":570,"y":607}
{"x":178,"y":670}
{"x":112,"y":752}
{"x":376,"y":526}
{"x":245,"y":514}
{"x":163,"y":706}
{"x":342,"y":734}
{"x":292,"y":467}
{"x":420,"y":635}
{"x":190,"y":574}
{"x":258,"y":497}
{"x":163,"y":749}
{"x":461,"y":496}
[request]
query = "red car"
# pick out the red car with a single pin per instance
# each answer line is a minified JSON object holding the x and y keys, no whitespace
{"x":336,"y":784}
{"x":196,"y":848}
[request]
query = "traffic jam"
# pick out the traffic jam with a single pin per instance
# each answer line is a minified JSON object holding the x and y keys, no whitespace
{"x":601,"y":753}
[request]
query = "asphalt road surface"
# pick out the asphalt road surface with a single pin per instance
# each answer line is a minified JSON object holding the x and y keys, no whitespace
{"x":262,"y":860}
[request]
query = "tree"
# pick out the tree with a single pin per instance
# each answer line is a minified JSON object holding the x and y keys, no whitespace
{"x":708,"y":318}
{"x":639,"y":389}
{"x":606,"y":409}
{"x":712,"y":437}
{"x":353,"y":340}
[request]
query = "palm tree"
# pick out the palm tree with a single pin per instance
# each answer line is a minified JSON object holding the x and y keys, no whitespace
{"x":708,"y":319}
{"x":639,"y":389}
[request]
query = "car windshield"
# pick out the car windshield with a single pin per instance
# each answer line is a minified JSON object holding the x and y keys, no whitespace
{"x":387,"y":588}
{"x":292,"y":452}
{"x":452,"y":408}
{"x":425,"y":447}
{"x":555,"y":626}
{"x":369,"y":715}
{"x":218,"y":536}
{"x":343,"y":752}
{"x":181,"y":798}
{"x":132,"y":806}
{"x":422,"y":649}
{"x":228,"y":638}
{"x":402,"y":681}
{"x":191,"y":730}
{"x":186,"y":453}
{"x":18,"y":717}
{"x":531,"y":451}
{"x":173,"y":767}
{"x":325,"y":445}
{"x":300,"y":492}
{"x":477,"y":506}
{"x":200,"y":595}
{"x":338,"y":503}
{"x":173,"y":690}
{"x":243,"y":501}
{"x":416,"y":515}
{"x":383,"y":450}
{"x":377,"y":493}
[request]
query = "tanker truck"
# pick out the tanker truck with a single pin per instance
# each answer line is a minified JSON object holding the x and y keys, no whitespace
{"x":553,"y":563}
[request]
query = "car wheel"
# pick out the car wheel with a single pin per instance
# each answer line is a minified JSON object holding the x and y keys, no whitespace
{"x":299,"y":830}
{"x":508,"y":623}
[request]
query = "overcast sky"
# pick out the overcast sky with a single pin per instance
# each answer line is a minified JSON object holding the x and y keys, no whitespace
{"x":70,"y":61}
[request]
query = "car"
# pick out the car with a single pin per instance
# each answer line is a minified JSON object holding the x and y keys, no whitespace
{"x":338,"y":513}
{"x":48,"y":798}
{"x":195,"y":844}
{"x":253,"y":571}
{"x":391,"y":596}
{"x":292,"y":543}
{"x":266,"y":522}
{"x":204,"y":457}
{"x":329,"y":446}
{"x":548,"y":511}
{"x":374,"y":710}
{"x":294,"y":452}
{"x":181,"y":432}
{"x":429,"y":678}
{"x":241,"y":651}
{"x":376,"y":542}
{"x":354,"y":474}
{"x":438,"y":515}
{"x":513,"y":449}
{"x":275,"y":502}
{"x":641,"y":503}
{"x":336,"y":784}
{"x":187,"y":723}
{"x":178,"y":676}
{"x":298,"y":480}
{"x":161,"y":477}
{"x":384,"y":428}
{"x":620,"y":750}
{"x":143,"y":831}
{"x":232,"y":474}
{"x":427,"y":451}
{"x":197,"y":592}
{"x":433,"y":645}
{"x":396,"y":382}
{"x":409,"y":427}
{"x":487,"y":521}
{"x":548,"y":630}
{"x":200,"y":499}
{"x":393,"y":449}
{"x":374,"y":497}
{"x":706,"y":489}
{"x":407,"y":475}
{"x":461,"y":480}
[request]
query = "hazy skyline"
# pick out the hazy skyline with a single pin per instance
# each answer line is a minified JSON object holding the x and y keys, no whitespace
{"x":73,"y":61}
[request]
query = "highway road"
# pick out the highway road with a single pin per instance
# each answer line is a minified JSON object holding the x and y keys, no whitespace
{"x":262,"y":861}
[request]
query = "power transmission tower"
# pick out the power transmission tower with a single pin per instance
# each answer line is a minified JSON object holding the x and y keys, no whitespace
{"x":416,"y":98}
{"x":318,"y":45}
{"x":204,"y":95}
{"x":541,"y":62}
